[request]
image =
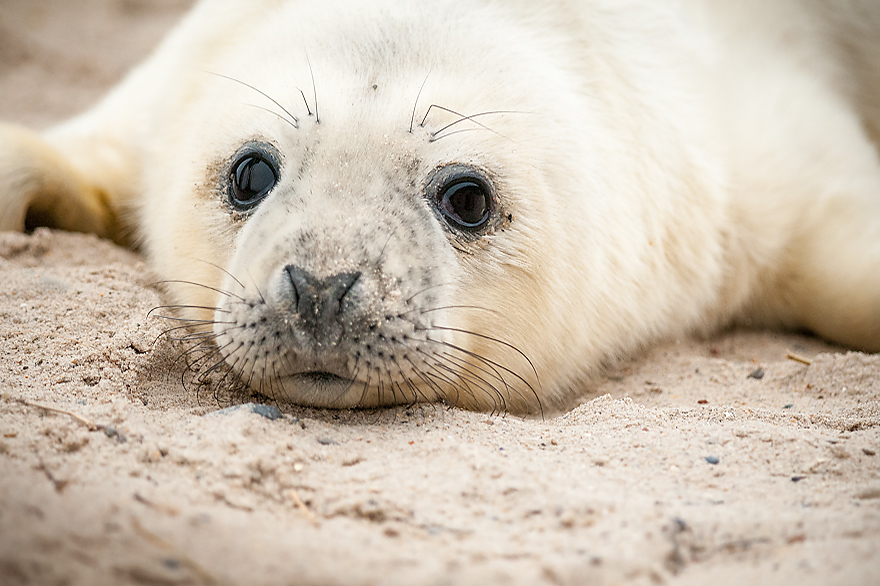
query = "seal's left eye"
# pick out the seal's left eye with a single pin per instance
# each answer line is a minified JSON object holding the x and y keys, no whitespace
{"x":252,"y":177}
{"x":465,"y":203}
{"x":463,"y":197}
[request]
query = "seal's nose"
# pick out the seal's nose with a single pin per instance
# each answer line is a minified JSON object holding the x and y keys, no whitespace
{"x":319,"y":302}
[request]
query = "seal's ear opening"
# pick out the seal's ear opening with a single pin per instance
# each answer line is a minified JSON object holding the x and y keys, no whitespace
{"x":40,"y":187}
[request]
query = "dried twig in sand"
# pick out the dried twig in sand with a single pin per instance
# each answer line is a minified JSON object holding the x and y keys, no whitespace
{"x":299,"y":504}
{"x":797,"y":358}
{"x":88,"y":423}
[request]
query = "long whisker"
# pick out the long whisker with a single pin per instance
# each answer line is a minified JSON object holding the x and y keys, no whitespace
{"x":497,"y":341}
{"x":472,"y":116}
{"x":314,"y":89}
{"x":195,"y":284}
{"x":497,"y":365}
{"x":305,"y":101}
{"x":262,"y":93}
{"x":462,"y":118}
{"x":273,"y":112}
{"x":209,"y":308}
{"x":416,"y":105}
{"x":221,"y":269}
{"x":426,"y":289}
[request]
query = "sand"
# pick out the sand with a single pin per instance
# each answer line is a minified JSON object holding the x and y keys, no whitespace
{"x":678,"y":468}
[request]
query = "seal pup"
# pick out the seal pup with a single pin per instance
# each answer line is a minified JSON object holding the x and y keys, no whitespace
{"x":482,"y":202}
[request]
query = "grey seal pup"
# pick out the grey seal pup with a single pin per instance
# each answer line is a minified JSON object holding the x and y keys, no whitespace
{"x":364,"y":203}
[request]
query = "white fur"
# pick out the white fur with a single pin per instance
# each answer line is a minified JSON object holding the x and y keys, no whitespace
{"x":670,"y":167}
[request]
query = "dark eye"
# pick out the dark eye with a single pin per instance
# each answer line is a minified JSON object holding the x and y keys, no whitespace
{"x":462,"y":195}
{"x":251,"y":178}
{"x":466,"y":203}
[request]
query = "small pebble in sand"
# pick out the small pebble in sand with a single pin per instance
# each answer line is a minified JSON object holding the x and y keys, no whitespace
{"x":268,"y":411}
{"x":712,"y":459}
{"x":757,"y":374}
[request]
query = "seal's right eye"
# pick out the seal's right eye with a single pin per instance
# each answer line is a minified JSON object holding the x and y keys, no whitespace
{"x":251,"y":178}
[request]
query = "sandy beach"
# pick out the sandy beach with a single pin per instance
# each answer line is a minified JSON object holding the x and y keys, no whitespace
{"x":716,"y":461}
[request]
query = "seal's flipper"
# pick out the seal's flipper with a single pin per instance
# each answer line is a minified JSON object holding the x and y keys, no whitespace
{"x":40,"y":186}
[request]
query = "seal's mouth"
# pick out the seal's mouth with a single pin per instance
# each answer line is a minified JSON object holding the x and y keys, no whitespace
{"x":318,"y":388}
{"x":321,"y":378}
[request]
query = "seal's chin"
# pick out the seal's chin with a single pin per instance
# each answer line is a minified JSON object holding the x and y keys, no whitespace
{"x":321,"y":389}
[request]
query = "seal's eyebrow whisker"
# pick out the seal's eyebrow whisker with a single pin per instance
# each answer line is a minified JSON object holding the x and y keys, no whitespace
{"x":314,"y":89}
{"x":471,"y":118}
{"x":435,"y":138}
{"x":465,"y":117}
{"x":416,"y":105}
{"x":273,"y":112}
{"x":305,"y":101}
{"x":294,"y":119}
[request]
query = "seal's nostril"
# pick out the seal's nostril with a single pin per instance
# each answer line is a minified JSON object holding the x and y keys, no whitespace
{"x":319,"y":300}
{"x":343,"y":284}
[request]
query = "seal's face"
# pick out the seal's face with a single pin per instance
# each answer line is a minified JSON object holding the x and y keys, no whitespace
{"x":363,"y":242}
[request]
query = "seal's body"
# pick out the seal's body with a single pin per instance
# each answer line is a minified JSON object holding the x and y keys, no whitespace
{"x":365,"y":203}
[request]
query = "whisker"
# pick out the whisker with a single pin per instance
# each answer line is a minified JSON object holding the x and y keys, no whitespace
{"x":273,"y":112}
{"x":195,"y":284}
{"x":216,"y":309}
{"x":194,"y":321}
{"x":221,"y":269}
{"x":462,"y":118}
{"x":426,"y":289}
{"x":262,"y":93}
{"x":481,"y":383}
{"x":495,"y":364}
{"x":416,"y":105}
{"x":314,"y":89}
{"x":497,"y":341}
{"x":305,"y":101}
{"x":477,"y":307}
{"x":472,"y":116}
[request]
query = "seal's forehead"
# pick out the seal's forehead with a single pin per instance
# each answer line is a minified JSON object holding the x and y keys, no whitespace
{"x":389,"y":47}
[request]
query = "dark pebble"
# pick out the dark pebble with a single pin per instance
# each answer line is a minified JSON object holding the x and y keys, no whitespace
{"x":268,"y":411}
{"x":757,"y":374}
{"x":789,"y":406}
{"x":712,"y":459}
{"x":114,"y":433}
{"x":797,"y":478}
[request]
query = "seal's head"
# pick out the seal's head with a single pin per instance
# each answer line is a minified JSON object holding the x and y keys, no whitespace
{"x":386,"y":207}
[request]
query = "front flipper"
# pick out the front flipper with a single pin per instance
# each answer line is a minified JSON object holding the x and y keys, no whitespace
{"x":40,"y":186}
